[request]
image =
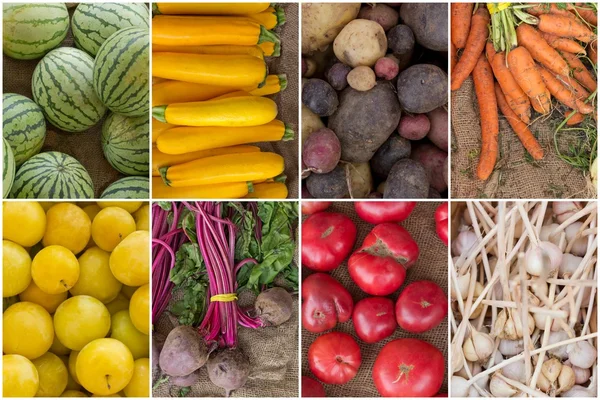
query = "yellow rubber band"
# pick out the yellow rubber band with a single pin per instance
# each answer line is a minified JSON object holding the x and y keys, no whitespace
{"x":224,"y":298}
{"x":494,"y":8}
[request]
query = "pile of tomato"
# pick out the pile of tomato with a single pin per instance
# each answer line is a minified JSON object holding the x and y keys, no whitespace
{"x":404,"y":367}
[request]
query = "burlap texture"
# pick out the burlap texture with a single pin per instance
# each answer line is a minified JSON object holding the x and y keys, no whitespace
{"x":432,"y":264}
{"x":515,"y":175}
{"x":84,"y":146}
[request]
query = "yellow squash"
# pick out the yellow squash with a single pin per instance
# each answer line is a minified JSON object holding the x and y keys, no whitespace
{"x":209,"y":8}
{"x":273,"y":84}
{"x":158,"y":128}
{"x":235,"y":111}
{"x":270,"y":18}
{"x":254,"y":51}
{"x":234,"y":190}
{"x":226,"y":168}
{"x":219,"y":70}
{"x":270,"y":49}
{"x":184,"y":139}
{"x":269,"y":190}
{"x":160,"y":159}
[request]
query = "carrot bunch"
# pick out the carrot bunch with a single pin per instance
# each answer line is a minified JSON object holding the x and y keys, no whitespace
{"x":520,"y":57}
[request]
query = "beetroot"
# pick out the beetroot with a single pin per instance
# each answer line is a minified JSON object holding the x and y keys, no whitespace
{"x":184,"y":352}
{"x":274,"y":306}
{"x":228,"y":369}
{"x":322,"y":151}
{"x":185,"y":381}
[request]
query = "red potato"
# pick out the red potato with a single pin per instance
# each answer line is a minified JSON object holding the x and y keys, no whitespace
{"x":334,"y":358}
{"x":377,"y":212}
{"x":321,"y":151}
{"x":435,"y":161}
{"x":379,"y":266}
{"x":327,"y":239}
{"x":312,"y":207}
{"x":414,"y":127}
{"x":421,"y":306}
{"x":374,"y":319}
{"x":383,"y":14}
{"x":325,"y":302}
{"x":408,"y":368}
{"x":312,"y":388}
{"x":386,"y":68}
{"x":441,"y":222}
{"x":438,"y":132}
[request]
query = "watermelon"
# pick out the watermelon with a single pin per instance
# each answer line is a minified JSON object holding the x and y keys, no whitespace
{"x":125,"y":143}
{"x":23,"y":126}
{"x":8,"y":170}
{"x":121,"y":73}
{"x":52,"y":175}
{"x":131,"y":187}
{"x":93,"y":23}
{"x":33,"y":29}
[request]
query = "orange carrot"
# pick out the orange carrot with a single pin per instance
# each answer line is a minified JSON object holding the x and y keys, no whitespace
{"x":593,"y":51}
{"x":577,"y":118}
{"x":490,"y":51}
{"x":524,"y":71}
{"x":483,"y":78}
{"x":563,"y":94}
{"x":525,"y":136}
{"x":453,"y":56}
{"x":587,"y":14}
{"x":473,"y":48}
{"x":516,"y":98}
{"x":563,"y":26}
{"x":460,"y":23}
{"x":545,"y":8}
{"x":580,"y":72}
{"x":579,"y":91}
{"x":540,"y":50}
{"x":563,"y":44}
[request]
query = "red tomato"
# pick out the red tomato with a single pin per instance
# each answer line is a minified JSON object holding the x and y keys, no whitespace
{"x":312,"y":388}
{"x":311,"y":207}
{"x":379,"y":266}
{"x":325,"y":302}
{"x":408,"y":368}
{"x":334,"y":358}
{"x":421,"y":306}
{"x":327,"y":239}
{"x":441,"y":222}
{"x":377,"y":212}
{"x":374,"y":319}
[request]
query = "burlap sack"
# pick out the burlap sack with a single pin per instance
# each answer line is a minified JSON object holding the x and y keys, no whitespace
{"x":84,"y":146}
{"x":431,"y":265}
{"x":516,"y":176}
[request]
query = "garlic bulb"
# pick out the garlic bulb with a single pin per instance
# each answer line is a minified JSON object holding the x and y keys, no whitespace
{"x":581,"y":354}
{"x":546,"y":236}
{"x":508,"y":325}
{"x":582,"y":375}
{"x":459,"y":387}
{"x":543,"y":259}
{"x":499,"y":388}
{"x":540,"y":322}
{"x":579,"y":247}
{"x":579,"y":391}
{"x":463,"y":286}
{"x":566,"y":379}
{"x":551,"y":369}
{"x":478,"y":347}
{"x":457,"y":357}
{"x":563,"y":210}
{"x":568,"y":265}
{"x":465,"y":241}
{"x":560,"y":351}
{"x":477,"y":292}
{"x":510,"y":347}
{"x":515,"y":371}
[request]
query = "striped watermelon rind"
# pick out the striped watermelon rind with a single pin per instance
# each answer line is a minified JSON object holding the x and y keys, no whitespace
{"x":23,"y":126}
{"x":125,"y":143}
{"x":131,"y":187}
{"x":52,"y":175}
{"x":8,"y":169}
{"x":62,"y":85}
{"x":93,"y":23}
{"x":121,"y":72}
{"x":30,"y":30}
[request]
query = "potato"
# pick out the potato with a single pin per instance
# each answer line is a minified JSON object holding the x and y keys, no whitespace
{"x":401,"y":40}
{"x":332,"y":185}
{"x":319,"y":97}
{"x":386,"y":68}
{"x":407,"y":180}
{"x":438,"y":133}
{"x":321,"y":23}
{"x":360,"y":180}
{"x":414,"y":127}
{"x":364,"y":120}
{"x":321,"y":151}
{"x":383,"y":14}
{"x":434,"y":194}
{"x":337,"y":76}
{"x":310,"y":123}
{"x":422,"y":88}
{"x":393,"y":150}
{"x":434,"y":161}
{"x":361,"y":42}
{"x":429,"y":23}
{"x":310,"y":65}
{"x":361,"y":78}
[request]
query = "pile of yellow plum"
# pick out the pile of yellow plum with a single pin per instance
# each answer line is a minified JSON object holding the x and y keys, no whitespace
{"x":76,"y":299}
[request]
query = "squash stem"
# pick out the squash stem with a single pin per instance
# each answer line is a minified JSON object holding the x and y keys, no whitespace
{"x":281,"y":178}
{"x":155,"y":9}
{"x":280,"y":15}
{"x":282,"y":82}
{"x":250,"y":187}
{"x":158,"y":112}
{"x":268,"y":36}
{"x":163,"y":174}
{"x":288,"y":134}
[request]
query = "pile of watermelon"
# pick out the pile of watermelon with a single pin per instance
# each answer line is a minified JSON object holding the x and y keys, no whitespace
{"x":74,"y":88}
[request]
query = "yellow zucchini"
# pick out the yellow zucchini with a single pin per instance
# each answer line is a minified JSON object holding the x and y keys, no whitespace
{"x":254,"y":51}
{"x":273,"y":84}
{"x":209,"y":8}
{"x":173,"y":30}
{"x":234,"y":190}
{"x":245,"y":167}
{"x":184,"y":139}
{"x":270,"y":49}
{"x":158,"y":128}
{"x":268,"y":190}
{"x":235,"y":111}
{"x":220,"y":70}
{"x":237,"y":93}
{"x":270,"y":18}
{"x":160,"y":159}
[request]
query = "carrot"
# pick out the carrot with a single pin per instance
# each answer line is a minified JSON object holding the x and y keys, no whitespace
{"x":473,"y":48}
{"x":580,"y":72}
{"x":525,"y":136}
{"x":460,"y":23}
{"x":545,"y":8}
{"x":579,"y":91}
{"x":540,"y":50}
{"x":524,"y":71}
{"x":490,"y":51}
{"x":593,"y":51}
{"x":453,"y":56}
{"x":587,"y":14}
{"x":563,"y":44}
{"x":516,"y":98}
{"x":563,"y":94}
{"x":577,"y":118}
{"x":483,"y":77}
{"x":564,"y":26}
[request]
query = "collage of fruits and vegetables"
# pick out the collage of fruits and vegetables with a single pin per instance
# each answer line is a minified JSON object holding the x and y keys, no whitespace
{"x":76,"y":100}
